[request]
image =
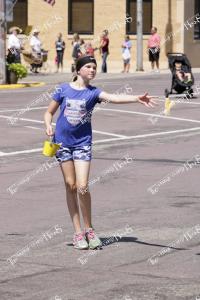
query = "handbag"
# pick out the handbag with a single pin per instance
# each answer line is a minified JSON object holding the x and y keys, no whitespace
{"x":126,"y":54}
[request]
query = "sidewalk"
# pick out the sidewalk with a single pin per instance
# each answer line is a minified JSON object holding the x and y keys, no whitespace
{"x":52,"y":78}
{"x":113,"y":66}
{"x":49,"y":78}
{"x":61,"y":77}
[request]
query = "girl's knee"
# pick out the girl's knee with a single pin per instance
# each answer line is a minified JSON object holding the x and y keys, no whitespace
{"x":70,"y":186}
{"x":82,"y":188}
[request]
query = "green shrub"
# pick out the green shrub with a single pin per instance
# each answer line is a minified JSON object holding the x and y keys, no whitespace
{"x":18,"y":69}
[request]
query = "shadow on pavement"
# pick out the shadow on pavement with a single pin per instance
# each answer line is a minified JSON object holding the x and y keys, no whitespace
{"x":133,"y":240}
{"x":112,"y":240}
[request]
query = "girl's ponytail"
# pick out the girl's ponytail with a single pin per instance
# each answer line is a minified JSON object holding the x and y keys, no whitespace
{"x":74,"y":77}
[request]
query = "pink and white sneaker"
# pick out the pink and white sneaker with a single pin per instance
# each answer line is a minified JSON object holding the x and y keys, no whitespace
{"x":92,"y":239}
{"x":79,"y":241}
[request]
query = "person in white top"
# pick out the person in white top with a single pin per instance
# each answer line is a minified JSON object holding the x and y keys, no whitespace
{"x":14,"y":45}
{"x":36,"y":45}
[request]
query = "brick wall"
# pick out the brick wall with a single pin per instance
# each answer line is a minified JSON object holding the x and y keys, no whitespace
{"x":168,"y":16}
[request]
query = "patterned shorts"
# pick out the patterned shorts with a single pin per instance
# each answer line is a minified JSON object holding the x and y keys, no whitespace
{"x":74,"y":153}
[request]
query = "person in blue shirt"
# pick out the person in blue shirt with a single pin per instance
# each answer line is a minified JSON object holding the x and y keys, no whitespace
{"x":76,"y":100}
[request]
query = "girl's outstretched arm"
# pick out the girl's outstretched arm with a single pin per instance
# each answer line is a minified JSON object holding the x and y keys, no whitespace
{"x":120,"y":99}
{"x":48,"y":116}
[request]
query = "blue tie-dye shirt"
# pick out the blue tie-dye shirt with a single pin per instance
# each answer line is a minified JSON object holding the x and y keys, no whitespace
{"x":73,"y":126}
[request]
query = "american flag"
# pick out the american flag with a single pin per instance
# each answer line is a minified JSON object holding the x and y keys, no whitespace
{"x":52,"y":2}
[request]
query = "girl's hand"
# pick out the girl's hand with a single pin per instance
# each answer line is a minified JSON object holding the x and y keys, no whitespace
{"x":49,"y":130}
{"x":147,"y":100}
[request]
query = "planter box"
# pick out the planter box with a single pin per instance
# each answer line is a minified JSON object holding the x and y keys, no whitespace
{"x":11,"y":77}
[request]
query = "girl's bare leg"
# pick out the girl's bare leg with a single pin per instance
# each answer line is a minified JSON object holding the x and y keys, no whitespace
{"x":82,"y":169}
{"x":69,"y":175}
{"x":124,"y":68}
{"x":127,"y":68}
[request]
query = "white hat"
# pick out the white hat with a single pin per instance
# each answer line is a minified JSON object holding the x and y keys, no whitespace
{"x":35,"y":30}
{"x":15,"y":28}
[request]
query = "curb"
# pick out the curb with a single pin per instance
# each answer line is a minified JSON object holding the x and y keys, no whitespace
{"x":21,"y":85}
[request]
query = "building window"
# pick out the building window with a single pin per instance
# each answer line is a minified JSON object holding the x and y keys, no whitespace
{"x":20,"y":15}
{"x":197,"y":25}
{"x":81,"y":16}
{"x":131,"y":9}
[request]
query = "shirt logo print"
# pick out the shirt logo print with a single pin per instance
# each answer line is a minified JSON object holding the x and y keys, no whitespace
{"x":75,"y":110}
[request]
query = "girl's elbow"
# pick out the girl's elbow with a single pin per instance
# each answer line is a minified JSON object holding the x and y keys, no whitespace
{"x":48,"y":113}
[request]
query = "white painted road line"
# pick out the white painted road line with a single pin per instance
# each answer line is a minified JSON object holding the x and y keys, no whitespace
{"x":22,"y":109}
{"x":32,"y":127}
{"x":21,"y":152}
{"x":107,"y":133}
{"x":113,"y":110}
{"x":95,"y":131}
{"x":148,"y":114}
{"x":147,"y":135}
{"x":178,"y":101}
{"x":42,"y":122}
{"x":113,"y":139}
{"x":21,"y":119}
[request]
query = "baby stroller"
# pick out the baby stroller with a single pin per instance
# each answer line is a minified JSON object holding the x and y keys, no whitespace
{"x":180,"y":86}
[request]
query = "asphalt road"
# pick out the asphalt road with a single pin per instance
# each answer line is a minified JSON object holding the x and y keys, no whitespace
{"x":151,"y":236}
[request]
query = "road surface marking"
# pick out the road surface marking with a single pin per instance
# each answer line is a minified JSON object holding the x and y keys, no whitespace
{"x":32,"y":127}
{"x":148,"y":135}
{"x":148,"y":114}
{"x":112,"y":139}
{"x":22,"y":109}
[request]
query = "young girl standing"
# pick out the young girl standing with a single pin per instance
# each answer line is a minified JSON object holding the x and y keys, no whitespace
{"x":126,"y":53}
{"x":76,"y":99}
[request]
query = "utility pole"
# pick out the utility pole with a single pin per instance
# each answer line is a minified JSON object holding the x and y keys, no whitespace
{"x":139,"y":35}
{"x":2,"y":41}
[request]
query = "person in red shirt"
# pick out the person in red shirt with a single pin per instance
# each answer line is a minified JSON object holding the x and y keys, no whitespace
{"x":89,"y":50}
{"x":104,"y":50}
{"x":153,"y":47}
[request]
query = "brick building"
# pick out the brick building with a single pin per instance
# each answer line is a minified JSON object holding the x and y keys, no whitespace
{"x":177,"y":22}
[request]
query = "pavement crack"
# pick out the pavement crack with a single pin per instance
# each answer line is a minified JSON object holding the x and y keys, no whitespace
{"x":33,"y":275}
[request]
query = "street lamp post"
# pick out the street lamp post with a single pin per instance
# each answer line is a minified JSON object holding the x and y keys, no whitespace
{"x":139,"y":35}
{"x":2,"y":42}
